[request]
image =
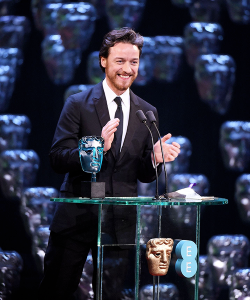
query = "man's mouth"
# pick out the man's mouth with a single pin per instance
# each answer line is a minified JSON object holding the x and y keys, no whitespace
{"x":124,"y":76}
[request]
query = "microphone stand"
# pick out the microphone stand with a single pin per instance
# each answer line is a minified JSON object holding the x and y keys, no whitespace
{"x":152,"y":119}
{"x":143,"y":119}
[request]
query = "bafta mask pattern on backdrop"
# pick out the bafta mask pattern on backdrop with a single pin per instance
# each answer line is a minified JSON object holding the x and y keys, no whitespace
{"x":201,"y":38}
{"x":205,"y":10}
{"x":73,"y":89}
{"x":147,"y":62}
{"x":242,"y":197}
{"x":215,"y":77}
{"x":124,"y":13}
{"x":235,"y":145}
{"x":18,"y":169}
{"x":239,"y":11}
{"x":240,"y":287}
{"x":186,"y":215}
{"x":11,"y":265}
{"x":168,"y":58}
{"x":60,"y":62}
{"x":14,"y":132}
{"x":226,"y":253}
{"x":94,"y":72}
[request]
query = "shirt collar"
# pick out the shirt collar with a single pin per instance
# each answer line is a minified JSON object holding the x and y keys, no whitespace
{"x":110,"y":95}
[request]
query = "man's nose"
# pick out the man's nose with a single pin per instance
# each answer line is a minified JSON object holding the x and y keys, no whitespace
{"x":126,"y":67}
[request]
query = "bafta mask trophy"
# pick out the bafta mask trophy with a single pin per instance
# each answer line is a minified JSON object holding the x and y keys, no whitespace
{"x":158,"y":255}
{"x":91,"y":155}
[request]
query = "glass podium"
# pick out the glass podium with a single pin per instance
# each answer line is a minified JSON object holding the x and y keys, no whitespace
{"x":139,"y":219}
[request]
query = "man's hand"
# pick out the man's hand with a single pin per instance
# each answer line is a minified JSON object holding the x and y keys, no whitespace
{"x":108,"y":133}
{"x":171,"y":151}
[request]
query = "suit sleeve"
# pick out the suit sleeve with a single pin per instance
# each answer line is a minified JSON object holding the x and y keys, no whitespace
{"x":147,"y":172}
{"x":64,"y":155}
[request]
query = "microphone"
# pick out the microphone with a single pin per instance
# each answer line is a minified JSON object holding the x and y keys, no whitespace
{"x":152,"y":119}
{"x":143,"y":120}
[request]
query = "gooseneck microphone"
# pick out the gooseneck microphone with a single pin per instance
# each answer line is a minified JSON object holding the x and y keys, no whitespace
{"x":143,"y":120}
{"x":152,"y":119}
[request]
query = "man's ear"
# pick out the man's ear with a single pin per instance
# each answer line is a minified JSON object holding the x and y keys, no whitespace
{"x":103,"y":62}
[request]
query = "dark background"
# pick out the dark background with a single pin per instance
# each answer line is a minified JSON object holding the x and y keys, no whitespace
{"x":181,"y":112}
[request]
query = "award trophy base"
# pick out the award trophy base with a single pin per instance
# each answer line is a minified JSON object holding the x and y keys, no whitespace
{"x":91,"y":189}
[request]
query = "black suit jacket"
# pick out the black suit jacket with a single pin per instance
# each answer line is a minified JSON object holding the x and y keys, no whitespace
{"x":85,"y":114}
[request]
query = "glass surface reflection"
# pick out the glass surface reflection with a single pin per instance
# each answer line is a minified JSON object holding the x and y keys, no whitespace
{"x":14,"y":132}
{"x":201,"y":38}
{"x":235,"y":145}
{"x":149,"y":223}
{"x":205,"y":279}
{"x":168,"y":57}
{"x":167,"y":291}
{"x":215,"y":77}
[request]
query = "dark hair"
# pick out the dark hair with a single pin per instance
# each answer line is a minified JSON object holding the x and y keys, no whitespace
{"x":123,"y":35}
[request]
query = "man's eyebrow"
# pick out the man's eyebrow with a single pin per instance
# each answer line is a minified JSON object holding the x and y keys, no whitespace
{"x":135,"y":58}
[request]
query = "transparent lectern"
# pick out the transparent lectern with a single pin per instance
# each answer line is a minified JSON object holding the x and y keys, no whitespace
{"x":122,"y":267}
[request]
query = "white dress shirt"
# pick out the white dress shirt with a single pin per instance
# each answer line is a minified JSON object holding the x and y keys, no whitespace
{"x":112,"y":106}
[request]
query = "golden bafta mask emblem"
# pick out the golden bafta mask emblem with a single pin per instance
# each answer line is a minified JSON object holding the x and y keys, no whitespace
{"x":158,"y":255}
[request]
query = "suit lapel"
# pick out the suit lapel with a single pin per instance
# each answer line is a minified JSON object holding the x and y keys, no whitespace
{"x":103,"y":115}
{"x":132,"y":123}
{"x":101,"y":107}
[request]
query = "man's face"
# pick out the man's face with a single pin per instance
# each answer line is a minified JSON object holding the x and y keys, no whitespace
{"x":121,"y":66}
{"x":159,"y":259}
{"x":91,"y":155}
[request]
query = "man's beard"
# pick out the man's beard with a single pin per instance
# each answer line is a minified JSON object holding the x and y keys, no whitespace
{"x":121,"y":87}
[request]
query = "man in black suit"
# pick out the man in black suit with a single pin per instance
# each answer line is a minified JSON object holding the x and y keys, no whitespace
{"x":74,"y":227}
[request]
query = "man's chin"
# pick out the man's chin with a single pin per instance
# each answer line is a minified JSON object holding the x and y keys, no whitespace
{"x":124,"y":87}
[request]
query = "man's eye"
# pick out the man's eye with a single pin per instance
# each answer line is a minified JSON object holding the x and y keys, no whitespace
{"x":88,"y":151}
{"x":100,"y":151}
